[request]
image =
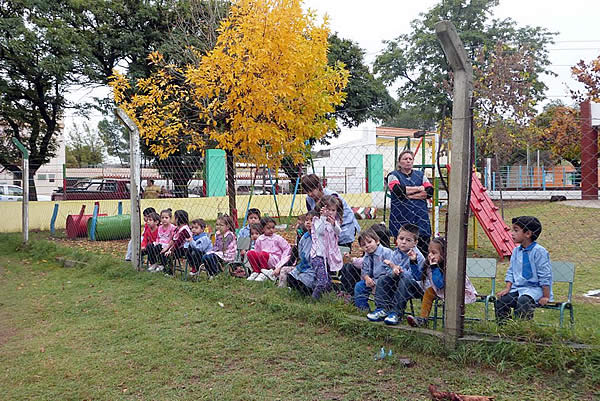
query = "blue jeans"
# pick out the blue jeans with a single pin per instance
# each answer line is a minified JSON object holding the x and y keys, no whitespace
{"x":406,"y":290}
{"x":361,"y":295}
{"x":212,"y":263}
{"x":385,"y":292}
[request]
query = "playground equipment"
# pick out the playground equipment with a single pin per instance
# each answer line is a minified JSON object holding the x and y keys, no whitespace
{"x":76,"y":225}
{"x":109,"y":228}
{"x":487,"y":215}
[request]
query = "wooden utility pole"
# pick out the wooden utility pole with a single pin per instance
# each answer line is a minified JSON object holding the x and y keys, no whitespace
{"x":460,"y":174}
{"x":134,"y":186}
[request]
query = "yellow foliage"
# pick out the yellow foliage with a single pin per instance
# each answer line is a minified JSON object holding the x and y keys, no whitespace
{"x":261,"y":92}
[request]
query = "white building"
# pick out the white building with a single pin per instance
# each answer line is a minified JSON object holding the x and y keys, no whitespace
{"x":49,"y":176}
{"x":343,"y":163}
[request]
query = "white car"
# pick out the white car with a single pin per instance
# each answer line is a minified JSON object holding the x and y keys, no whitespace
{"x":10,"y":193}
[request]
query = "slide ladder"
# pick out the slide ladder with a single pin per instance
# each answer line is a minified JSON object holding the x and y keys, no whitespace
{"x":487,"y":215}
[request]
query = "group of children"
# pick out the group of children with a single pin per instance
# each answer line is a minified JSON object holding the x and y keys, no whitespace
{"x":393,"y":277}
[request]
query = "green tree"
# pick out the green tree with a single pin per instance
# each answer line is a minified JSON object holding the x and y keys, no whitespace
{"x":416,"y":60}
{"x":115,"y":138}
{"x":84,"y":147}
{"x":37,"y":65}
{"x":367,"y":97}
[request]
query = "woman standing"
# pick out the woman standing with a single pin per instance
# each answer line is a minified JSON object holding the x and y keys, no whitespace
{"x":409,"y":191}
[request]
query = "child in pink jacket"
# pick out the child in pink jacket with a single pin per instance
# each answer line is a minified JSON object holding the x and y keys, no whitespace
{"x":271,"y":251}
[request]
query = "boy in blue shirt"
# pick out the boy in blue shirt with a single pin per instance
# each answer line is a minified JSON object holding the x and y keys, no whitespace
{"x":395,"y":289}
{"x":529,"y":276}
{"x":253,"y":218}
{"x":197,"y":245}
{"x":373,"y":267}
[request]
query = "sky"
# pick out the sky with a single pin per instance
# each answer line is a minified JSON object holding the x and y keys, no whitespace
{"x":369,"y":23}
{"x":576,"y":21}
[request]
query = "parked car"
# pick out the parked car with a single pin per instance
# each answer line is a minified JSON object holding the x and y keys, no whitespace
{"x":10,"y":193}
{"x":95,"y":189}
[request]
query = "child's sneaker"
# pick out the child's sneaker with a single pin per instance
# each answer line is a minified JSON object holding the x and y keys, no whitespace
{"x":269,"y":273}
{"x":392,"y":319}
{"x":261,"y":277}
{"x":152,"y":267}
{"x":253,"y":276}
{"x":159,"y":268}
{"x":416,"y":321}
{"x":193,"y":272}
{"x":377,"y":315}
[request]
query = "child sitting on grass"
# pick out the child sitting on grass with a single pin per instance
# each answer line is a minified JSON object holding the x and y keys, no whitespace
{"x":150,"y":234}
{"x":303,"y":265}
{"x":197,"y":245}
{"x":156,"y":257}
{"x":145,"y":214}
{"x":433,"y":280}
{"x":350,"y":274}
{"x":373,"y":267}
{"x":529,"y":276}
{"x":181,"y":234}
{"x":406,"y":266}
{"x":253,"y":218}
{"x":271,"y":251}
{"x":225,"y":247}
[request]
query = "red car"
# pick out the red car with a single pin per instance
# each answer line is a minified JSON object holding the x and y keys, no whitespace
{"x":94,"y":189}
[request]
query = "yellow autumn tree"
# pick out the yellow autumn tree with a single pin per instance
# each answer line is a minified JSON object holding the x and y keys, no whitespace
{"x":261,"y":93}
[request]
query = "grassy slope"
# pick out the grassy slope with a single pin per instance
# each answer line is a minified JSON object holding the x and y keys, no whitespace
{"x":106,"y":332}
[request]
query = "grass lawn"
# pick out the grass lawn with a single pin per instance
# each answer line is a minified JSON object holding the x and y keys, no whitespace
{"x":569,"y":233}
{"x":105,"y":331}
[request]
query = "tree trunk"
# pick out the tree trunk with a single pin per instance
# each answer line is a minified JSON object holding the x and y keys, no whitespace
{"x":32,"y":190}
{"x":231,"y":185}
{"x":180,"y":186}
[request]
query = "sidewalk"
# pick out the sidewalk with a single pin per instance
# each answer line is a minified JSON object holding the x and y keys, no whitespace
{"x":584,"y":203}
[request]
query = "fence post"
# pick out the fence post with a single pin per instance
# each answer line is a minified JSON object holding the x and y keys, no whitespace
{"x":53,"y":219}
{"x":460,"y":176}
{"x":25,"y":199}
{"x":134,"y":164}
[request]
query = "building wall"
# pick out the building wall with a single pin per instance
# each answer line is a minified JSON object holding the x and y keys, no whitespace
{"x":50,"y":176}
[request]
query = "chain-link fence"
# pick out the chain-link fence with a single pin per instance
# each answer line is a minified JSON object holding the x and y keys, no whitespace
{"x":399,"y":196}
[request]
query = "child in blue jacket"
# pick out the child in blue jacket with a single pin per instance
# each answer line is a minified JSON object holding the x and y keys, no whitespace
{"x":529,"y":276}
{"x":197,"y":245}
{"x":373,"y":267}
{"x":395,"y":289}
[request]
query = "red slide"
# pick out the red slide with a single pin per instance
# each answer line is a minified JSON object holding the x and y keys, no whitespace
{"x":487,"y":214}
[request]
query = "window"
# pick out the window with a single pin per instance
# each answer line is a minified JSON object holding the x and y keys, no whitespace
{"x":15,"y":191}
{"x":94,"y":186}
{"x":51,"y":177}
{"x":109,"y":186}
{"x":1,"y":190}
{"x":41,"y":177}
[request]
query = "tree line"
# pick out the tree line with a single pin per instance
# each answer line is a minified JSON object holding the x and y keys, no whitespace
{"x":48,"y":48}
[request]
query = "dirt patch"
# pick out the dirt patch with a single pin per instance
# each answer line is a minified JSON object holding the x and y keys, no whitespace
{"x":6,"y":330}
{"x":580,"y":299}
{"x":114,"y":248}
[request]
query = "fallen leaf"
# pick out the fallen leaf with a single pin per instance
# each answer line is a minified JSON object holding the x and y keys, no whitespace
{"x":42,"y":349}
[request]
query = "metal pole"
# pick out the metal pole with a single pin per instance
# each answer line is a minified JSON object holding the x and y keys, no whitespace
{"x":64,"y":169}
{"x":459,"y":177}
{"x":53,"y":219}
{"x":134,"y":165}
{"x":25,"y":181}
{"x":275,"y":195}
